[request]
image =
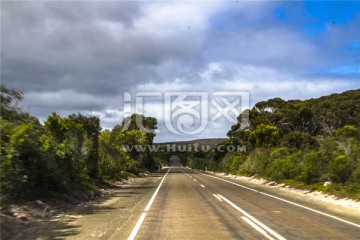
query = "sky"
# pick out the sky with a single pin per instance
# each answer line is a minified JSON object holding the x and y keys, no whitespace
{"x":182,"y":62}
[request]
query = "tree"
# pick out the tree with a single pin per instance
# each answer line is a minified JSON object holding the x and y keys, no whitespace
{"x":347,"y":131}
{"x":340,"y":169}
{"x":91,"y":127}
{"x":140,"y":130}
{"x":138,"y":122}
{"x":264,"y":136}
{"x":23,"y":170}
{"x":67,"y":155}
{"x":9,"y":99}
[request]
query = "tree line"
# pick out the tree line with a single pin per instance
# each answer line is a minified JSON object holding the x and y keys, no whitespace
{"x":304,"y":143}
{"x":66,"y":156}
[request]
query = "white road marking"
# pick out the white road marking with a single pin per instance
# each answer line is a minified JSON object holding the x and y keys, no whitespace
{"x":137,"y":226}
{"x":254,"y":220}
{"x":217,"y":197}
{"x":287,"y":201}
{"x":195,"y":180}
{"x":259,"y":229}
{"x":202,"y":186}
{"x":143,"y":215}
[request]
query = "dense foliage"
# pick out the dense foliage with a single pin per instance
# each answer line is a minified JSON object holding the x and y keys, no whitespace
{"x":300,"y":142}
{"x":66,"y":156}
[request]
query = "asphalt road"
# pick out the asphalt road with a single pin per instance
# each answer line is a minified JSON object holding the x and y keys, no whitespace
{"x":191,"y":205}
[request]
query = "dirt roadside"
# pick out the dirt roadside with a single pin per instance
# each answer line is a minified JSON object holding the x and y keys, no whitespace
{"x":95,"y":219}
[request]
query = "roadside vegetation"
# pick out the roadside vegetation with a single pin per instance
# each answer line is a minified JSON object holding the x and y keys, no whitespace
{"x":66,"y":157}
{"x":312,"y":144}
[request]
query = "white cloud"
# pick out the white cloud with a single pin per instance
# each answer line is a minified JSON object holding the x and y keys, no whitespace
{"x":168,"y":20}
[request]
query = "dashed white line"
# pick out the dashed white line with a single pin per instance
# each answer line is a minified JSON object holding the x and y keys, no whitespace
{"x":143,"y":215}
{"x":202,"y":186}
{"x":195,"y":180}
{"x":254,"y":220}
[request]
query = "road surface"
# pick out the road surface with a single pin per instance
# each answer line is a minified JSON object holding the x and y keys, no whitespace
{"x":180,"y":203}
{"x":192,"y":205}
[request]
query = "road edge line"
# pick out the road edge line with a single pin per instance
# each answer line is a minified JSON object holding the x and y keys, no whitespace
{"x":254,"y":220}
{"x":287,"y":201}
{"x":256,"y":227}
{"x":143,"y":215}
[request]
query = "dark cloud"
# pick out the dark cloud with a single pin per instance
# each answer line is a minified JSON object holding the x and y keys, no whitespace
{"x":80,"y":56}
{"x":86,"y":46}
